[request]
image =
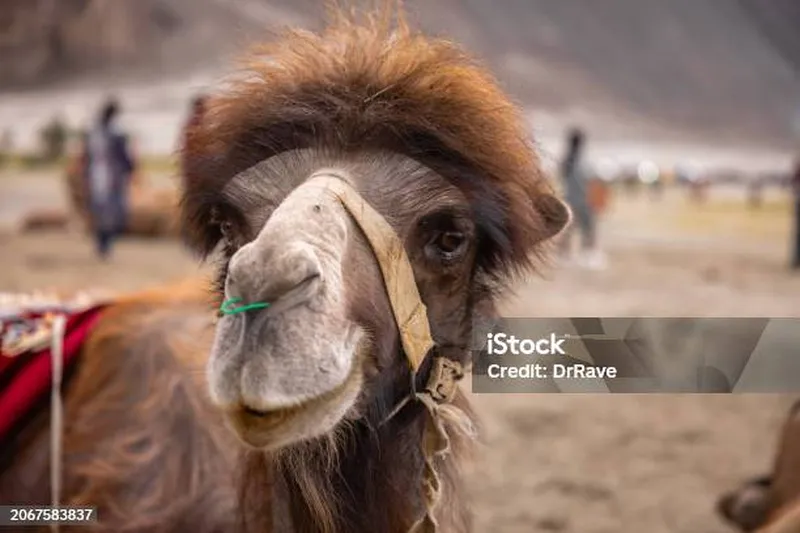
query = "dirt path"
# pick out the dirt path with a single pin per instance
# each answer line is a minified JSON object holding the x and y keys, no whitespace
{"x":568,"y":463}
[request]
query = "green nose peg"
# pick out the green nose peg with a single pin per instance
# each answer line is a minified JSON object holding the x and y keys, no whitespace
{"x":227,"y":307}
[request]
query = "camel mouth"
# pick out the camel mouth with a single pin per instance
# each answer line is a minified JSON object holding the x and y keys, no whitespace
{"x":271,"y":429}
{"x":272,"y":399}
{"x":265,"y":420}
{"x":249,"y":411}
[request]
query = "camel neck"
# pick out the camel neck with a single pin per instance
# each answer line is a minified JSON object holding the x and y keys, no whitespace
{"x":368,"y":480}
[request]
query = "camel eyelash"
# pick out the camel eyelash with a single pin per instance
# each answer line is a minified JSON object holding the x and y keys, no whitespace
{"x":218,"y":281}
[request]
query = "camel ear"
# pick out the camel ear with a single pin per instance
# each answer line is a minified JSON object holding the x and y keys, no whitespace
{"x":555,"y":213}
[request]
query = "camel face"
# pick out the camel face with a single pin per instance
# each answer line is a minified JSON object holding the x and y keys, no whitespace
{"x":430,"y":142}
{"x":295,"y":370}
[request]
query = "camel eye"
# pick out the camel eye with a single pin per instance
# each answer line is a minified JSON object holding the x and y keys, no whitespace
{"x":448,"y":245}
{"x":224,"y":224}
{"x":450,"y":241}
{"x":226,"y":228}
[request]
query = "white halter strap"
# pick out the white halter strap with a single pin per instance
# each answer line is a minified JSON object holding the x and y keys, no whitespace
{"x":57,"y":411}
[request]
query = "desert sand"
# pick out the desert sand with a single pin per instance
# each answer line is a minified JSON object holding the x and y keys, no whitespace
{"x":556,"y":462}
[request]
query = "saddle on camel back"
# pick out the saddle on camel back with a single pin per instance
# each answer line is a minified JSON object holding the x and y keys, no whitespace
{"x":42,"y":335}
{"x":39,"y":332}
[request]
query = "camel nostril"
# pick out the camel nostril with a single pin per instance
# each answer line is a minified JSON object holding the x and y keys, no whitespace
{"x":280,"y":275}
{"x":311,"y":278}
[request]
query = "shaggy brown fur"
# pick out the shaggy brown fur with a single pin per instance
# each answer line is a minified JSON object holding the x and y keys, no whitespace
{"x":361,"y":85}
{"x":368,"y":84}
{"x":142,"y":442}
{"x":367,"y":475}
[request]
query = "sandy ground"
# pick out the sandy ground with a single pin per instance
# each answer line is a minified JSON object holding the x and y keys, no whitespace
{"x":561,"y":463}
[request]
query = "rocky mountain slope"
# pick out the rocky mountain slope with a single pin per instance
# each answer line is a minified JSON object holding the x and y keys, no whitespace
{"x":727,"y":69}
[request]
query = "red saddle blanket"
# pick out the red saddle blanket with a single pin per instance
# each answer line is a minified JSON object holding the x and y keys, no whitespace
{"x":26,"y":361}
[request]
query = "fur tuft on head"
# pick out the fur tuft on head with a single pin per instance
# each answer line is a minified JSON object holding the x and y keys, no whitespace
{"x":367,"y":81}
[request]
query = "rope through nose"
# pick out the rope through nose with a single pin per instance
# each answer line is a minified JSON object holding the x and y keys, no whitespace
{"x":227,"y":307}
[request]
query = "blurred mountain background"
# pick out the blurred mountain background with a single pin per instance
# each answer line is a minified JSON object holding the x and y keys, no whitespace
{"x":721,"y":71}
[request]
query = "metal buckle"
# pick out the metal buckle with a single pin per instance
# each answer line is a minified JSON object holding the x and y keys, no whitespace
{"x":443,"y":380}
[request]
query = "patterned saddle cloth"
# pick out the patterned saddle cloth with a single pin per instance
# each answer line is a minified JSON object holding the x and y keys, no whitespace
{"x":26,"y":338}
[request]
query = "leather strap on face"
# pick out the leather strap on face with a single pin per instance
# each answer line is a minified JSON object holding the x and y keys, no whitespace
{"x":411,"y":318}
{"x":410,"y":313}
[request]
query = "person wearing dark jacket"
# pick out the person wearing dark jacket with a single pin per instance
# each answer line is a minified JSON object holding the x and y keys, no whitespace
{"x":575,"y":176}
{"x":108,"y":169}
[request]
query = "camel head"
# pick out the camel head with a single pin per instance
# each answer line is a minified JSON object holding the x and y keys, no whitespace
{"x":424,"y":137}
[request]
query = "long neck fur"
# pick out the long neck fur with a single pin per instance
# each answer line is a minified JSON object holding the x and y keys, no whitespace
{"x":363,"y":479}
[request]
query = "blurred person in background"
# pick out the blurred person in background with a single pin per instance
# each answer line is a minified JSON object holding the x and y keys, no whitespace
{"x":6,"y":146}
{"x":796,"y":193}
{"x":755,"y":192}
{"x":599,"y":195}
{"x":198,"y":109}
{"x":108,"y":168}
{"x":576,"y":181}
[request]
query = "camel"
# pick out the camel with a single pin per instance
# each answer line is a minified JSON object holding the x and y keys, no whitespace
{"x":770,"y":503}
{"x":368,"y":193}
